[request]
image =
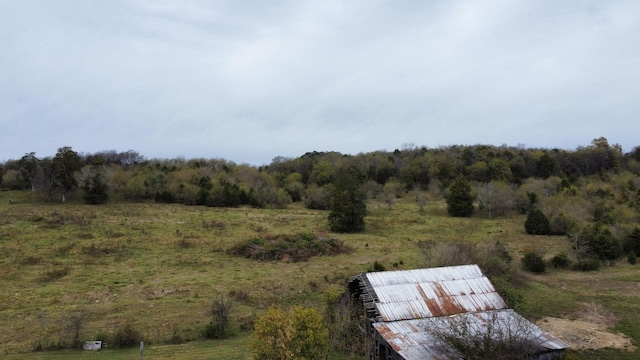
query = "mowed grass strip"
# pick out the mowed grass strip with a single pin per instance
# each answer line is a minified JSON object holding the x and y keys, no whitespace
{"x":236,"y":348}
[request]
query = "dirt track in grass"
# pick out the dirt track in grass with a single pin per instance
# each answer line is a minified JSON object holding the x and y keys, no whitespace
{"x":585,"y":335}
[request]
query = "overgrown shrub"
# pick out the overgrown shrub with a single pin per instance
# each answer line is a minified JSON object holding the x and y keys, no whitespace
{"x":500,"y":251}
{"x":126,"y":336}
{"x":492,"y":257}
{"x":226,"y":194}
{"x":561,"y":261}
{"x":632,"y":258}
{"x":318,"y":198}
{"x":561,"y":224}
{"x":297,"y":247}
{"x":176,"y":336}
{"x":269,"y":197}
{"x":345,"y":318}
{"x":438,"y":254}
{"x":299,"y":334}
{"x":588,"y":264}
{"x":378,"y":266}
{"x":102,"y":336}
{"x":603,"y":243}
{"x":533,"y":262}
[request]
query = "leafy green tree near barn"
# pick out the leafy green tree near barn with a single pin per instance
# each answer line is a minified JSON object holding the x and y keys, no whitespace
{"x":460,"y":199}
{"x":348,"y":202}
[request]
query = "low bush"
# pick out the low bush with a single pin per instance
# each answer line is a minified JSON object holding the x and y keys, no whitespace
{"x":126,"y":336}
{"x":533,"y":262}
{"x":298,"y":247}
{"x":378,"y":266}
{"x":589,"y":264}
{"x":561,"y":261}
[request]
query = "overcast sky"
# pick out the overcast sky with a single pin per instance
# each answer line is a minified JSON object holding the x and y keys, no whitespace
{"x":251,"y":80}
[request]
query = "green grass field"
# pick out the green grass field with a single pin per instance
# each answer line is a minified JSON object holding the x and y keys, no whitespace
{"x":236,"y":348}
{"x":157,"y":267}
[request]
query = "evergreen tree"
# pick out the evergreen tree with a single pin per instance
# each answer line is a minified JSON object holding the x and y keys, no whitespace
{"x":533,"y":262}
{"x":546,"y":166}
{"x":632,"y":243}
{"x":603,"y":244}
{"x":460,"y":199}
{"x":537,"y":223}
{"x":348,"y":202}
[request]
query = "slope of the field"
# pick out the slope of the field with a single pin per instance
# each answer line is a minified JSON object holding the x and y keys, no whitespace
{"x":157,"y":267}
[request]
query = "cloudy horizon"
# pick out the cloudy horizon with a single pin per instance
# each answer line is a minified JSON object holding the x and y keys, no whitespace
{"x":248,"y":81}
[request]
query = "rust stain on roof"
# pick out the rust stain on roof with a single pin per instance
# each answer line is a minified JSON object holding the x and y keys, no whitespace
{"x":431,"y":305}
{"x":448,"y":302}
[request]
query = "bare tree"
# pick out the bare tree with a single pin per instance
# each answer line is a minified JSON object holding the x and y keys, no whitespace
{"x":580,"y":244}
{"x":220,"y":312}
{"x":75,"y":325}
{"x":495,"y":198}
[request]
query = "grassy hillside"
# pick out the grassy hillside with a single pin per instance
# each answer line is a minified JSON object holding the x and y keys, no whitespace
{"x":157,"y":267}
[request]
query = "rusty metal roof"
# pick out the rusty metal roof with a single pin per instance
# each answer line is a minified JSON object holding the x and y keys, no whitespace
{"x":415,"y":339}
{"x":414,"y":307}
{"x":424,"y":293}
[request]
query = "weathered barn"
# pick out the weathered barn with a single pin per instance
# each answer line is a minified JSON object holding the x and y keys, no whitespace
{"x":411,"y":314}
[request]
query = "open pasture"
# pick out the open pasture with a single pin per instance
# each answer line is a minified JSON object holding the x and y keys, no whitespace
{"x":157,"y":267}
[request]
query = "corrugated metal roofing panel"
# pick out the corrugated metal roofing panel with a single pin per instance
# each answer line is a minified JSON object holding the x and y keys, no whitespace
{"x":414,"y":309}
{"x":409,"y":339}
{"x":412,"y":339}
{"x":415,"y":294}
{"x":385,"y":278}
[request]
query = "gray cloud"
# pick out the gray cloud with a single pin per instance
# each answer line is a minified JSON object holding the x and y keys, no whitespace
{"x":248,"y":81}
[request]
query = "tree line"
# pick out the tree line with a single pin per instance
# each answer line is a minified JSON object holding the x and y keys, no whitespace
{"x":567,"y":186}
{"x":129,"y":175}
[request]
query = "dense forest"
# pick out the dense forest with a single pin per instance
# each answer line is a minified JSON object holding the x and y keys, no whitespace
{"x":591,"y":194}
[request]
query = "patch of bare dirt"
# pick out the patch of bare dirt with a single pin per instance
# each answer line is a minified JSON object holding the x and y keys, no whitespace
{"x":589,"y":328}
